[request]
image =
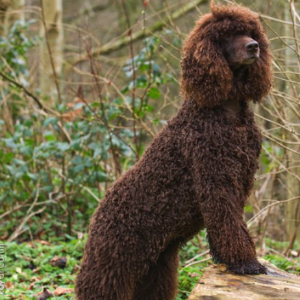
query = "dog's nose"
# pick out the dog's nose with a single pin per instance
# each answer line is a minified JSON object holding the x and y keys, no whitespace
{"x":252,"y":46}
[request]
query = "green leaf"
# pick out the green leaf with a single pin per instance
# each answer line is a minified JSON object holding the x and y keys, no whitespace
{"x":63,"y":146}
{"x":51,"y":120}
{"x":79,"y":168}
{"x":8,"y":157}
{"x":154,"y":93}
{"x":77,"y":160}
{"x":50,"y":138}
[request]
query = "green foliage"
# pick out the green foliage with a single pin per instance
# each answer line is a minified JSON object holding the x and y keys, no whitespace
{"x":188,"y":278}
{"x":32,"y":159}
{"x":190,"y":275}
{"x":284,"y":263}
{"x":280,"y":261}
{"x":14,"y":48}
{"x":266,"y":159}
{"x":146,"y":76}
{"x":278,"y":245}
{"x":28,"y":264}
{"x":64,"y":162}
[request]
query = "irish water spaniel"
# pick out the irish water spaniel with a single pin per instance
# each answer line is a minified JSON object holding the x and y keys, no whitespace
{"x":197,"y":172}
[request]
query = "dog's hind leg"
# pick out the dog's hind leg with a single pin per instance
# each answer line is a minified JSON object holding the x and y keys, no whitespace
{"x":160,"y":283}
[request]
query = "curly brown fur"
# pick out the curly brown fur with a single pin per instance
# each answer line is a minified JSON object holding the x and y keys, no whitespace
{"x":197,"y":172}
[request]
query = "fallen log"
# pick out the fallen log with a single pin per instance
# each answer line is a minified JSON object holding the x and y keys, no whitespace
{"x":219,"y":284}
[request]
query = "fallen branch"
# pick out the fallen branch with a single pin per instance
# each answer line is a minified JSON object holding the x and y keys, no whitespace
{"x":111,"y":47}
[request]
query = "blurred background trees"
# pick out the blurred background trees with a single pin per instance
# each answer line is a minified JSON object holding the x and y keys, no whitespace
{"x":84,"y":87}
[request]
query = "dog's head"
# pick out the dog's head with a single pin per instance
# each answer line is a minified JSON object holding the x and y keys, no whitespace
{"x":226,"y":55}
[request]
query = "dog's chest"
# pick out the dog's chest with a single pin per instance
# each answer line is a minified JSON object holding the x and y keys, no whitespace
{"x":243,"y":139}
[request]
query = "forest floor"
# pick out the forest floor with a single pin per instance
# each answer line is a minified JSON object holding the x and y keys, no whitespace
{"x":40,"y":269}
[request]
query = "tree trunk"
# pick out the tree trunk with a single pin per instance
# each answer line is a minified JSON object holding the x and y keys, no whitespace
{"x":10,"y":12}
{"x":4,"y":4}
{"x":51,"y":50}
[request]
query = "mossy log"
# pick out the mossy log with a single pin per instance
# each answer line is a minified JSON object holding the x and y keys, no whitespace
{"x":219,"y":284}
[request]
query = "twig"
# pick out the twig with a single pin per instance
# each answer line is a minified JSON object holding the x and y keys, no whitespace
{"x":37,"y":101}
{"x":27,"y":92}
{"x":114,"y":86}
{"x":250,"y":222}
{"x":19,"y":230}
{"x":82,"y":186}
{"x":29,"y":215}
{"x":133,"y":75}
{"x":22,"y":206}
{"x":195,"y":257}
{"x":197,"y":262}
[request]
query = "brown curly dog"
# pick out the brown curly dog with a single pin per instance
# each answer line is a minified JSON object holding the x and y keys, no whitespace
{"x":197,"y":172}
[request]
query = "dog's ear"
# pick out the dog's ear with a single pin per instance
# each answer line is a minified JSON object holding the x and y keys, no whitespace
{"x":206,"y":76}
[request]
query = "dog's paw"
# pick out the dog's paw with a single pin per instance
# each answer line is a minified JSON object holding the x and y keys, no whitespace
{"x":249,"y":268}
